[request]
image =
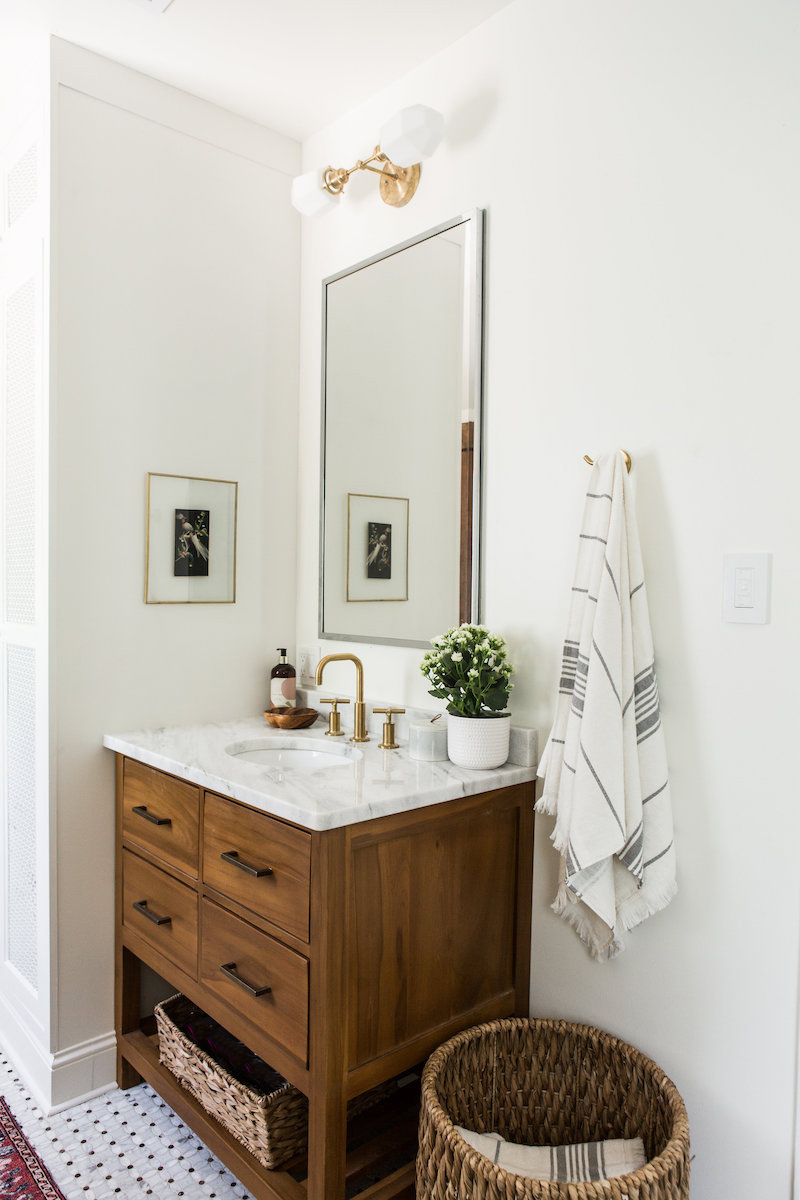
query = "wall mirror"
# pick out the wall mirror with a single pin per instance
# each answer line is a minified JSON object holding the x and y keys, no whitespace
{"x":401,"y":420}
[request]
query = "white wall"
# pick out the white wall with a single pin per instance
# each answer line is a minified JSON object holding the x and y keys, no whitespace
{"x":639,"y":167}
{"x":174,"y":327}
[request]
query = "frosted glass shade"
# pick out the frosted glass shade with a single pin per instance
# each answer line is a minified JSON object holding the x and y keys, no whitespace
{"x":309,"y":196}
{"x":412,"y":134}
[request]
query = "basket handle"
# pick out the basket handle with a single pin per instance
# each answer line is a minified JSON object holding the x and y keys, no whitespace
{"x":230,"y":972}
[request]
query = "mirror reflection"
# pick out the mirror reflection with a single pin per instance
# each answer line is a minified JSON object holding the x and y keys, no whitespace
{"x":400,"y":439}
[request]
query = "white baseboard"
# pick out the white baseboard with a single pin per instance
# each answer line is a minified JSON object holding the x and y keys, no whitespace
{"x":61,"y":1080}
{"x":83,"y":1071}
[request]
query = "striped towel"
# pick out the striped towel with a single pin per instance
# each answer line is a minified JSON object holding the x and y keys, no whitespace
{"x":604,"y":765}
{"x":560,"y":1164}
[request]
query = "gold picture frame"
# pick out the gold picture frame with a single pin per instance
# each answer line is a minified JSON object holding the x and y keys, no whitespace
{"x":190,"y":549}
{"x":377,"y":548}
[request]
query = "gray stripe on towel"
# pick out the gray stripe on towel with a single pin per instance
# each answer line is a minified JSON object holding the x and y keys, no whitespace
{"x":657,"y":792}
{"x":602,"y":789}
{"x":611,"y":576}
{"x":656,"y":857}
{"x":608,"y":673}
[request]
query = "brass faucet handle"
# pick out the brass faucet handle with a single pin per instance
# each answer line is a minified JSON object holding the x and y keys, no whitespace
{"x":335,"y":720}
{"x":388,"y":742}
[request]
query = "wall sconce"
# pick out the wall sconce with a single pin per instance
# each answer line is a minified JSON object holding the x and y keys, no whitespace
{"x":410,"y":136}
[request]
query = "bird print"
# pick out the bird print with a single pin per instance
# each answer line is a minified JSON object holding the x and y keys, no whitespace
{"x":191,"y":542}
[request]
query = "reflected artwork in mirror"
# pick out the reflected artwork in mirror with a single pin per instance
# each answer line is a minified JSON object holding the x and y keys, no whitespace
{"x":401,"y":420}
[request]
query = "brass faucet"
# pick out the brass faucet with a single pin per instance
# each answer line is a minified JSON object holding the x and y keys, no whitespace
{"x":359,"y":710}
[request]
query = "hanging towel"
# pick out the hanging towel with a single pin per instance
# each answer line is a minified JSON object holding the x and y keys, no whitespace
{"x":605,"y":765}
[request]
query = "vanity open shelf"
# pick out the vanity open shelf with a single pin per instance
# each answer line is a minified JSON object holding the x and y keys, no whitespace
{"x":341,"y":956}
{"x":373,"y":1138}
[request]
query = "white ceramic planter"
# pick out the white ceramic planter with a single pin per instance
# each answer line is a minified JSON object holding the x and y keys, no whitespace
{"x":478,"y":743}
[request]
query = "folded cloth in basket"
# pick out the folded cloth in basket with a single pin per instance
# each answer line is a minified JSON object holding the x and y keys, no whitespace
{"x":605,"y":765}
{"x":583,"y":1163}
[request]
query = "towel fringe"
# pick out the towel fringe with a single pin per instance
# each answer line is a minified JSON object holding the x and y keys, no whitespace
{"x":547,"y":804}
{"x":639,"y":907}
{"x":560,"y":839}
{"x":568,"y":907}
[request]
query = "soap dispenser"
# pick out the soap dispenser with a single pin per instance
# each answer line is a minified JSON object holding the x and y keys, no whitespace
{"x":283,"y":684}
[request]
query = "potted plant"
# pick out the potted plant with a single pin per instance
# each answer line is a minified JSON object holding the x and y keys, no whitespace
{"x":469,"y":668}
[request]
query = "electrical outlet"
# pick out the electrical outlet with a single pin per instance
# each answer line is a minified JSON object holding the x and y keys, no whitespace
{"x":306,"y":665}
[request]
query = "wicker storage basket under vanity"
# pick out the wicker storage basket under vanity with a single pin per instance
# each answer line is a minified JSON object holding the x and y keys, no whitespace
{"x":254,"y":1103}
{"x":547,"y":1083}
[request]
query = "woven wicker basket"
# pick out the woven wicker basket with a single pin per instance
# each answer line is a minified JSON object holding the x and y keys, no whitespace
{"x":547,"y":1083}
{"x":269,"y":1116}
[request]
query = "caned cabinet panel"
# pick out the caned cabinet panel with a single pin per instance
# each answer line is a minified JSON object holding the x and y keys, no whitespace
{"x":236,"y":962}
{"x":161,"y":814}
{"x":239,"y":844}
{"x":433,"y":925}
{"x":160,"y":910}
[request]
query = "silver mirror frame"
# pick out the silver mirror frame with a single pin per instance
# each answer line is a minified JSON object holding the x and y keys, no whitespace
{"x":473,"y":400}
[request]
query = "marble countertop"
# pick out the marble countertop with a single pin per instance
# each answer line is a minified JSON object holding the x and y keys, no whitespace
{"x":365,"y":781}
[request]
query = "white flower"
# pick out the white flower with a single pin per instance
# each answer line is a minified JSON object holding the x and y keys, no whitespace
{"x":457,"y":656}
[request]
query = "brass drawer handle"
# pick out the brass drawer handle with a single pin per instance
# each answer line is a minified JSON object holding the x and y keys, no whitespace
{"x":230,"y":972}
{"x":232,"y":857}
{"x":141,"y":907}
{"x":141,"y":811}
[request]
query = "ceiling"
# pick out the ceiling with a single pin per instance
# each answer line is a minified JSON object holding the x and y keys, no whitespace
{"x":293,"y":65}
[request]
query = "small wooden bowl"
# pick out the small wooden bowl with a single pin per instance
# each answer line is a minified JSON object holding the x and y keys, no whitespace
{"x":291,"y":718}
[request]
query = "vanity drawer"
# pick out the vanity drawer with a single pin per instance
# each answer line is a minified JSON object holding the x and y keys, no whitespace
{"x":237,"y":961}
{"x":254,"y":842}
{"x":161,"y":814}
{"x":162,"y":911}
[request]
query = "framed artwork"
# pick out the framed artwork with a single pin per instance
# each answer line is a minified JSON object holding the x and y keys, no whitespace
{"x":377,"y":547}
{"x":190,"y":555}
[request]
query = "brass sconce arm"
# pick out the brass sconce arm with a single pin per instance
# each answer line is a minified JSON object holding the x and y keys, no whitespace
{"x":334,"y":178}
{"x":411,"y":135}
{"x":397,"y":184}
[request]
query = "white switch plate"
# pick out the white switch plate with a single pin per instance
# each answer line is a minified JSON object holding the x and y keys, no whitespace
{"x":746,"y":588}
{"x":307,"y":659}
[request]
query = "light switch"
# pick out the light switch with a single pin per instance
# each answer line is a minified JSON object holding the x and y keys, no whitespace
{"x":746,"y":588}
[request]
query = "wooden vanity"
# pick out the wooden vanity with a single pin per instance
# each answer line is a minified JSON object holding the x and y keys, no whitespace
{"x":377,"y":940}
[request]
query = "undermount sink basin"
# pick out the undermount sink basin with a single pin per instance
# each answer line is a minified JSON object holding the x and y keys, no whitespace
{"x":293,"y":753}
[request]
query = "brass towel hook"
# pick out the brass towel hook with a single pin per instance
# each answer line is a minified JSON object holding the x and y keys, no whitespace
{"x":624,"y":453}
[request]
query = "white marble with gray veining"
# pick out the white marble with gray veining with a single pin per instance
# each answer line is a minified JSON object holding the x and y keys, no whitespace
{"x":367,"y":782}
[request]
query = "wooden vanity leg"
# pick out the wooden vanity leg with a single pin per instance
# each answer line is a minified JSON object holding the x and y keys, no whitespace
{"x":126,"y":966}
{"x":327,"y":1103}
{"x":327,"y":1148}
{"x":126,"y":1016}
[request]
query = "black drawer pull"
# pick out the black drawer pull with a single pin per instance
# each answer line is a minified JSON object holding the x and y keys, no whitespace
{"x":141,"y":907}
{"x":141,"y":811}
{"x":229,"y":970}
{"x":232,"y":857}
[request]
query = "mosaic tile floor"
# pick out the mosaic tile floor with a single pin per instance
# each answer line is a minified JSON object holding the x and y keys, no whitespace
{"x":121,"y":1144}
